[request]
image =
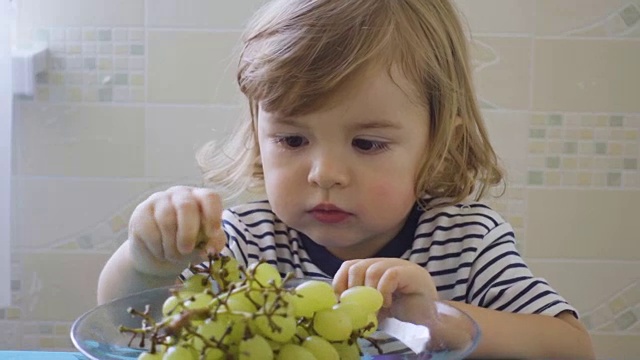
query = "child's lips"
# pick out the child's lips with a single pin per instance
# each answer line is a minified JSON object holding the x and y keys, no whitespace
{"x":329,"y":214}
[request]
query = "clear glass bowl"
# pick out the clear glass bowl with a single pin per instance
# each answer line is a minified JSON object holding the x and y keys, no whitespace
{"x":95,"y":333}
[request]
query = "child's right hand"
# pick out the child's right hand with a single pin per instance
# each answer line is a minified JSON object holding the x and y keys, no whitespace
{"x":173,"y":228}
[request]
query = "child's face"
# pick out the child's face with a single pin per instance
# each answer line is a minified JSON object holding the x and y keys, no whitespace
{"x":345,"y":175}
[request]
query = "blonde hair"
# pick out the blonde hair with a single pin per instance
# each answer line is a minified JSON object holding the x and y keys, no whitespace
{"x":296,"y":53}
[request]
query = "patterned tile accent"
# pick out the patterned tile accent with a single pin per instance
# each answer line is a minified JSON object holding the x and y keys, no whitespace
{"x":619,"y":315}
{"x":584,"y":151}
{"x":619,"y":23}
{"x":17,"y":333}
{"x":512,"y":206}
{"x":93,"y":65}
{"x":26,"y":335}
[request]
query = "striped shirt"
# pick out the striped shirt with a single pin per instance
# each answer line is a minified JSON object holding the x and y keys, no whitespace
{"x":468,"y":249}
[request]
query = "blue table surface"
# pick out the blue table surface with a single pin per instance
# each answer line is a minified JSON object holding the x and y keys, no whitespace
{"x":40,"y":355}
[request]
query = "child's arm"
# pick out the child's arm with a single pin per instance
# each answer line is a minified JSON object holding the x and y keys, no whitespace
{"x":409,"y":293}
{"x":525,"y":336}
{"x":167,"y":231}
{"x":119,"y":277}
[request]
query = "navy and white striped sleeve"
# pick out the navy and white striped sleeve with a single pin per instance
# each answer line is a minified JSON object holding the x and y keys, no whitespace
{"x":499,"y":279}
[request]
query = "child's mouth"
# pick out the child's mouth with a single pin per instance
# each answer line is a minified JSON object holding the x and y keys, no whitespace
{"x":329,"y":214}
{"x":329,"y":217}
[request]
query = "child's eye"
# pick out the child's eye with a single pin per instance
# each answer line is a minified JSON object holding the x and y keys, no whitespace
{"x":293,"y":141}
{"x":369,"y":145}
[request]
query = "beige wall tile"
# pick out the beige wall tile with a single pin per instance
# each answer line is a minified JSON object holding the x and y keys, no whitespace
{"x":51,"y":283}
{"x":201,"y":13}
{"x":175,"y":134}
{"x":616,"y":346}
{"x":498,"y":16}
{"x":508,"y":133}
{"x":502,"y":67}
{"x":192,"y":67}
{"x":586,"y":17}
{"x":38,"y":13}
{"x":55,"y":213}
{"x":603,"y":293}
{"x":79,"y":140}
{"x":575,"y":224}
{"x":585,"y":284}
{"x":586,"y":75}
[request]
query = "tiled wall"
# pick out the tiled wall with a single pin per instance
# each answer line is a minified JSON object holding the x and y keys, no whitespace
{"x":133,"y":88}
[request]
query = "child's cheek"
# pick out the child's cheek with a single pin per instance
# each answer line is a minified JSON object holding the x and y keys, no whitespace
{"x":376,"y":189}
{"x":387,"y":190}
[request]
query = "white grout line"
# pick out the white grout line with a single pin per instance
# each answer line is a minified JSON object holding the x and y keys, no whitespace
{"x":556,"y":37}
{"x":194,"y":29}
{"x":583,"y":261}
{"x":146,"y":53}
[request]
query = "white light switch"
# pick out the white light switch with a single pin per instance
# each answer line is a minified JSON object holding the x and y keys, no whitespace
{"x":27,"y":62}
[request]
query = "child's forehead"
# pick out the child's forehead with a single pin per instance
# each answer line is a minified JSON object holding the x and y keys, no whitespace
{"x":375,"y":94}
{"x":375,"y":82}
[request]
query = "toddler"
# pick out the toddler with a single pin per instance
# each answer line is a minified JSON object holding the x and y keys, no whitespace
{"x":365,"y":134}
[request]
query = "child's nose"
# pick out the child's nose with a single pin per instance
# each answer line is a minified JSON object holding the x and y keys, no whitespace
{"x":328,"y":170}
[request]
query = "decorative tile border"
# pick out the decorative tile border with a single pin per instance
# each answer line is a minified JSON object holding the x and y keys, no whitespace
{"x":512,"y":206}
{"x":28,"y":335}
{"x":93,"y":65}
{"x":619,"y":23}
{"x":105,"y":236}
{"x":619,"y":315}
{"x":584,"y":151}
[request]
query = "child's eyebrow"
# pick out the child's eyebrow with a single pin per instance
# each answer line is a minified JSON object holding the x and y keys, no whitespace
{"x":376,"y":124}
{"x":361,"y":125}
{"x":286,"y":121}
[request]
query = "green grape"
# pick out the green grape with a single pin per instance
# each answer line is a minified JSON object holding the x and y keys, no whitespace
{"x":277,"y":305}
{"x":275,"y":327}
{"x":212,"y":330}
{"x":312,"y":296}
{"x":212,"y":354}
{"x":149,"y":356}
{"x":256,"y":348}
{"x":356,"y":314}
{"x":172,"y":305}
{"x":275,"y":346}
{"x":259,"y":296}
{"x":239,"y":326}
{"x":225,"y":270}
{"x":347,"y":351}
{"x":198,"y":301}
{"x":320,"y":348}
{"x":333,"y":325}
{"x":263,"y":273}
{"x":371,"y":319}
{"x":295,"y":352}
{"x":196,"y":283}
{"x":369,"y":298}
{"x":180,"y":353}
{"x":240,"y":302}
{"x":259,"y":317}
{"x":302,"y":332}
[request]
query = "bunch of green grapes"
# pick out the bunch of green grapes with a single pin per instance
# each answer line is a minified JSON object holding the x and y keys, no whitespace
{"x":228,"y":312}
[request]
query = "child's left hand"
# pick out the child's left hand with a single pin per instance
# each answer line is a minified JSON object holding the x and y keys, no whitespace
{"x":407,"y":288}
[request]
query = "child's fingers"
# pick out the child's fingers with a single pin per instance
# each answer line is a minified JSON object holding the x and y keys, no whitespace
{"x":167,"y":221}
{"x":217,"y":241}
{"x":388,"y":283}
{"x":340,"y":281}
{"x":188,"y":222}
{"x":144,"y":230}
{"x":211,"y":211}
{"x":350,"y":274}
{"x":211,"y":208}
